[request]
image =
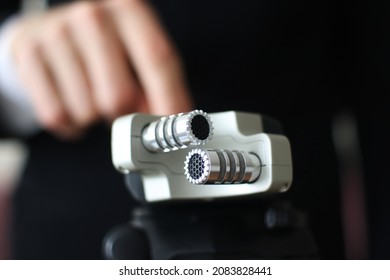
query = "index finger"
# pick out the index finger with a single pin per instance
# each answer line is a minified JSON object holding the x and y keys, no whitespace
{"x":153,"y":55}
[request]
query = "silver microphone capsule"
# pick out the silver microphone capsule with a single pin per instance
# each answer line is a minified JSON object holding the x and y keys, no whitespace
{"x":221,"y":167}
{"x":178,"y":132}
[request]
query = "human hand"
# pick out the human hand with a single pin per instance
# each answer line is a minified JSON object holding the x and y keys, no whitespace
{"x":91,"y":61}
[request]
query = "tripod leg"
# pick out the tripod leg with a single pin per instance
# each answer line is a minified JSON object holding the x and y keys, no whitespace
{"x":126,"y":242}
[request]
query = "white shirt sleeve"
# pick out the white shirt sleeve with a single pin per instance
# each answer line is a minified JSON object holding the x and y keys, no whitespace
{"x":15,"y":108}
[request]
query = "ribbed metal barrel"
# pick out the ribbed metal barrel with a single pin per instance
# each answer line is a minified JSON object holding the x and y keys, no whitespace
{"x":221,"y":167}
{"x":178,"y":131}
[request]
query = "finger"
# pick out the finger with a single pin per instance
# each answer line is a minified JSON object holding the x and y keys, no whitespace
{"x":69,"y":75}
{"x":36,"y":78}
{"x":153,"y":55}
{"x":114,"y":87}
{"x":142,"y":105}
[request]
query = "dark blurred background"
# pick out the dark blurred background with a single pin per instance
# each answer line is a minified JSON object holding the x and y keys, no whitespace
{"x":322,"y":69}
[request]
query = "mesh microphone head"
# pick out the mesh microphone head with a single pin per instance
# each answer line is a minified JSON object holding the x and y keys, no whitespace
{"x":197,"y":167}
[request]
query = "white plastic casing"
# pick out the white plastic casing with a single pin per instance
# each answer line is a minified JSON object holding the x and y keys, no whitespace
{"x":162,"y":173}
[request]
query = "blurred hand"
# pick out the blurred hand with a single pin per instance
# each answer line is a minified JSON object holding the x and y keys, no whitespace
{"x":91,"y":61}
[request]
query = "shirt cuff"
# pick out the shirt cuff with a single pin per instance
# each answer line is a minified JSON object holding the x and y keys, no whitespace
{"x":17,"y":114}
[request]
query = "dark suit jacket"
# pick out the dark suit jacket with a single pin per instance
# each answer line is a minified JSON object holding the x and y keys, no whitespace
{"x":69,"y":195}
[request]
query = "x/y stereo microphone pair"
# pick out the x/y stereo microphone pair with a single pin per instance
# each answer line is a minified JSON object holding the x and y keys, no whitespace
{"x":201,"y":166}
{"x":247,"y":155}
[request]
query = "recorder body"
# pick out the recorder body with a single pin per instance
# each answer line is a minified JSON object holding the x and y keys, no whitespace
{"x":162,"y":172}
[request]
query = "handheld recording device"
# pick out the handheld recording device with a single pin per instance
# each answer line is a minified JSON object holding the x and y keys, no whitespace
{"x":197,"y":155}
